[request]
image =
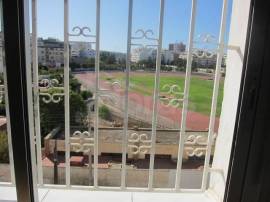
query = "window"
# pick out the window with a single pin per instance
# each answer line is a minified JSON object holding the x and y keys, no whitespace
{"x":131,"y":140}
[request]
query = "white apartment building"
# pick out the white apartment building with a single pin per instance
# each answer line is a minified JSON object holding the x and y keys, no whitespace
{"x":142,"y":53}
{"x":50,"y":52}
{"x":167,"y":56}
{"x":204,"y":62}
{"x":177,"y":47}
{"x":81,"y":49}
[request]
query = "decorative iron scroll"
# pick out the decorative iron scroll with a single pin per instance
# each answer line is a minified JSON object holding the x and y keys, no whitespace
{"x":173,"y":96}
{"x":81,"y":141}
{"x":81,"y":31}
{"x":207,"y":50}
{"x":196,"y":140}
{"x":116,"y":84}
{"x":207,"y":38}
{"x":55,"y":97}
{"x":106,"y":93}
{"x":198,"y":151}
{"x":196,"y":145}
{"x":139,"y":143}
{"x":144,"y":34}
{"x":141,"y":34}
{"x":47,"y":84}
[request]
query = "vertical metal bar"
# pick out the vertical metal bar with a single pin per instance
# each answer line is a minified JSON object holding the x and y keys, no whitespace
{"x":186,"y":95}
{"x":36,"y":92}
{"x":96,"y":93}
{"x":156,"y":97}
{"x":90,"y":150}
{"x":30,"y":99}
{"x":125,"y":131}
{"x":10,"y":149}
{"x":220,"y":55}
{"x":66,"y":87}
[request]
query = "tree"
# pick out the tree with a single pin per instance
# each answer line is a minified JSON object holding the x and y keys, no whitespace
{"x":194,"y":66}
{"x":52,"y":114}
{"x":104,"y":113}
{"x":86,"y":94}
{"x":179,"y":62}
{"x":107,"y":58}
{"x":74,"y":84}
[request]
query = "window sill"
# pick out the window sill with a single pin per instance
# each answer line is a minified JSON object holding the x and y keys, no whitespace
{"x":8,"y":194}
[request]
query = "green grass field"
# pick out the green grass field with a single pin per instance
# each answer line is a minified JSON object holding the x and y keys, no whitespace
{"x":201,"y":89}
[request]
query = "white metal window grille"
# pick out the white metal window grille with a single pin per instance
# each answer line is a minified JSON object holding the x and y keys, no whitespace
{"x":83,"y":141}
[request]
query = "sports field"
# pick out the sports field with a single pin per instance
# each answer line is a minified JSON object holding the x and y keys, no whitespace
{"x":201,"y":88}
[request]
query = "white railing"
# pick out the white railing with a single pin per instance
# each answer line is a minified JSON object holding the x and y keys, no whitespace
{"x":134,"y":38}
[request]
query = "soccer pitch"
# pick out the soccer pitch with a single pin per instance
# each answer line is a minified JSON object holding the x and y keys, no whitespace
{"x":201,"y":88}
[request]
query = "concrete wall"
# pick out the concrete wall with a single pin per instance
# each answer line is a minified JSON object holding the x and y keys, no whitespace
{"x":237,"y":37}
{"x":116,"y":148}
{"x":163,"y":178}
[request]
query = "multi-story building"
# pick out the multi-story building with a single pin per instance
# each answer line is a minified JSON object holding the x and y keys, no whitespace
{"x":177,"y":47}
{"x":50,"y":52}
{"x":167,"y":56}
{"x":203,"y":62}
{"x":81,"y":49}
{"x":142,"y":53}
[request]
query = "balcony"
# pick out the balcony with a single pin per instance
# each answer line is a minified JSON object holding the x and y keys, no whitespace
{"x":153,"y":147}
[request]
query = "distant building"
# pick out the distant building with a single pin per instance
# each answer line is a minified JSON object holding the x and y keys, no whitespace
{"x":119,"y":56}
{"x":204,"y":62}
{"x":50,"y":52}
{"x":142,"y":53}
{"x":167,"y":56}
{"x":177,"y":47}
{"x":81,"y":49}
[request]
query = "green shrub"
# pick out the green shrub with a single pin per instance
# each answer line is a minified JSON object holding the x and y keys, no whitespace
{"x":74,"y":84}
{"x":4,"y":158}
{"x":105,"y":113}
{"x":86,"y":94}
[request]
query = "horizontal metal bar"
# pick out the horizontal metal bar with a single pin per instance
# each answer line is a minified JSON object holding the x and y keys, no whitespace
{"x":150,"y":129}
{"x":127,"y":189}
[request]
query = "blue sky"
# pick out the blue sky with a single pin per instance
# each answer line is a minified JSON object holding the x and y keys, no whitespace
{"x":114,"y":19}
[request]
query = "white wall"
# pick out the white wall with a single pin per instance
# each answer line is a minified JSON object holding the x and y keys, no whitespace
{"x":237,"y":37}
{"x":163,"y":178}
